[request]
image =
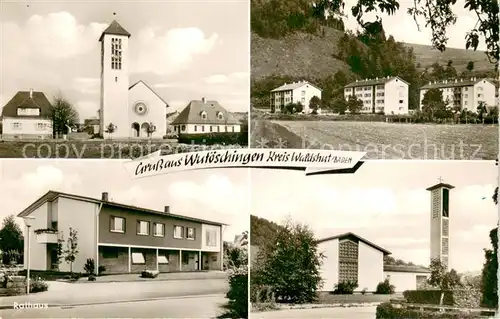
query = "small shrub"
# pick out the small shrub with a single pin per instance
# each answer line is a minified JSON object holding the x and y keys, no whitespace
{"x":345,"y":288}
{"x":91,"y":278}
{"x":38,"y":285}
{"x":89,"y":266}
{"x":387,"y":311}
{"x":102,"y":269}
{"x":385,"y":288}
{"x":150,"y":274}
{"x":428,"y":297}
{"x":363,"y":292}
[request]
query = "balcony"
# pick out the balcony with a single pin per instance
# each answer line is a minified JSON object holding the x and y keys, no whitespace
{"x":46,"y":236}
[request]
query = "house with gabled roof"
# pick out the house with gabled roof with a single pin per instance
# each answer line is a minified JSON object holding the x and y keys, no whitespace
{"x":462,"y":94}
{"x":387,"y":95}
{"x":135,"y":111}
{"x":122,"y":238}
{"x":28,"y":115}
{"x":204,"y":117}
{"x":352,"y":258}
{"x":297,"y":92}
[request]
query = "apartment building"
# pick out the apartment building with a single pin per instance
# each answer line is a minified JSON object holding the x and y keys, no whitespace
{"x":464,"y":93}
{"x":387,"y":95}
{"x":122,"y":238}
{"x":297,"y":92}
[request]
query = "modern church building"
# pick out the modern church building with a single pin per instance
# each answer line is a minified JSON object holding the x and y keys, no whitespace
{"x":134,"y":111}
{"x":351,"y":258}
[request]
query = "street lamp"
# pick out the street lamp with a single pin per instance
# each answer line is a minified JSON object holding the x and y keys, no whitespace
{"x":28,"y":221}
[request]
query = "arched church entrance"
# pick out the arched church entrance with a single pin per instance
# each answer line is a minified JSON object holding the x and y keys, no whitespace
{"x":144,"y":129}
{"x":135,"y":129}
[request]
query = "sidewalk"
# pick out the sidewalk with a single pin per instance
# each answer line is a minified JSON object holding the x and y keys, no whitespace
{"x":64,"y":294}
{"x":161,"y":277}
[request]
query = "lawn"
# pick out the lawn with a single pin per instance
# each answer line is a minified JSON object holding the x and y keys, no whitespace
{"x":381,"y":140}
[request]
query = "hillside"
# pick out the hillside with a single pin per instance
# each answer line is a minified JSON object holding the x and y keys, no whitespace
{"x":313,"y":56}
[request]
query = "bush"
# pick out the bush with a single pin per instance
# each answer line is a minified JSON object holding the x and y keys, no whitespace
{"x":89,"y":266}
{"x":150,"y":274}
{"x":237,"y":295}
{"x":345,"y":288}
{"x":38,"y":285}
{"x":428,"y":297}
{"x":101,"y":269}
{"x":91,"y":278}
{"x":467,"y":297}
{"x":212,"y":138}
{"x":387,"y":311}
{"x":385,"y":288}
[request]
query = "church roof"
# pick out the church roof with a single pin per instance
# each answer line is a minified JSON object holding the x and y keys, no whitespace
{"x":440,"y":185}
{"x":149,"y":88}
{"x":355,"y":238}
{"x":192,"y":114}
{"x":26,"y":99}
{"x":406,"y":268}
{"x":115,"y":29}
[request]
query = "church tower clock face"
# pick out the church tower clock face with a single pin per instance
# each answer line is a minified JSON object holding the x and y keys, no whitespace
{"x":140,"y":108}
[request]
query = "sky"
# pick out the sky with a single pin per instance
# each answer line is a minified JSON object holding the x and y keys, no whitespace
{"x":404,"y":29}
{"x":184,"y":50}
{"x":217,"y":194}
{"x":387,"y":203}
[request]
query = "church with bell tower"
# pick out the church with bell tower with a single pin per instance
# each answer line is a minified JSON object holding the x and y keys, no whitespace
{"x":440,"y":222}
{"x":126,"y":111}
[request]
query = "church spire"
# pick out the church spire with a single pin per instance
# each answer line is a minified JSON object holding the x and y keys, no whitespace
{"x":115,"y":29}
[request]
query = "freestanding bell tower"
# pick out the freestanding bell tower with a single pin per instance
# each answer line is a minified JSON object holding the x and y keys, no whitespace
{"x":440,"y":222}
{"x":114,"y":81}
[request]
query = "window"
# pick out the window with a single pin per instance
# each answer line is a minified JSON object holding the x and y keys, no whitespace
{"x":28,"y":111}
{"x":195,"y":128}
{"x":446,"y":208}
{"x":303,"y":100}
{"x":163,"y":259}
{"x":158,"y":229}
{"x":211,"y":238}
{"x":178,"y":232}
{"x":227,"y":129}
{"x":16,"y":126}
{"x":183,"y":128}
{"x":220,"y":116}
{"x":41,"y":126}
{"x":303,"y":93}
{"x":117,"y":224}
{"x":109,"y":252}
{"x":210,"y":128}
{"x":348,"y":261}
{"x":190,"y":233}
{"x":142,"y":227}
{"x":218,"y":128}
{"x":185,"y":258}
{"x":466,"y":96}
{"x":465,"y":102}
{"x":203,"y":128}
{"x":138,"y":258}
{"x":400,"y":101}
{"x":232,"y":128}
{"x":204,"y":115}
{"x":116,"y":54}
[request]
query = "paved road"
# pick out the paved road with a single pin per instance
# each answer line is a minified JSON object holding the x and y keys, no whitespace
{"x":192,"y":307}
{"x":61,"y":293}
{"x":331,"y":313}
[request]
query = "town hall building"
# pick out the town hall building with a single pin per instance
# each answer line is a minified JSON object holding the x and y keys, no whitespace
{"x":132,"y":111}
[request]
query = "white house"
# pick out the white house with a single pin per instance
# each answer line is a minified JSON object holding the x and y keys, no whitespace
{"x":349,"y":257}
{"x":406,"y":277}
{"x":464,"y":93}
{"x":27,"y":115}
{"x":297,"y":92}
{"x":205,"y":117}
{"x":134,"y":109}
{"x":388,"y":95}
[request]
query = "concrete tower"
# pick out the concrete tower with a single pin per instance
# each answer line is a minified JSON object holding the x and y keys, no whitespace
{"x":440,"y":222}
{"x":114,"y":81}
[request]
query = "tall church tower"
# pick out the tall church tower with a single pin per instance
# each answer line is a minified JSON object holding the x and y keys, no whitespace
{"x":114,"y":81}
{"x":440,"y":222}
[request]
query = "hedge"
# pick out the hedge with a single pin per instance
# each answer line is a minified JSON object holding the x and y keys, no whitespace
{"x":388,"y":311}
{"x":428,"y":297}
{"x":464,"y":298}
{"x":229,"y":138}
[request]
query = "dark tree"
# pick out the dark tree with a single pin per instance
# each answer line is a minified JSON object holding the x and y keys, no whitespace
{"x":314,"y":104}
{"x":489,"y":282}
{"x":470,"y":66}
{"x":354,"y":105}
{"x":433,"y":102}
{"x":290,"y":264}
{"x":11,"y":237}
{"x":64,"y":115}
